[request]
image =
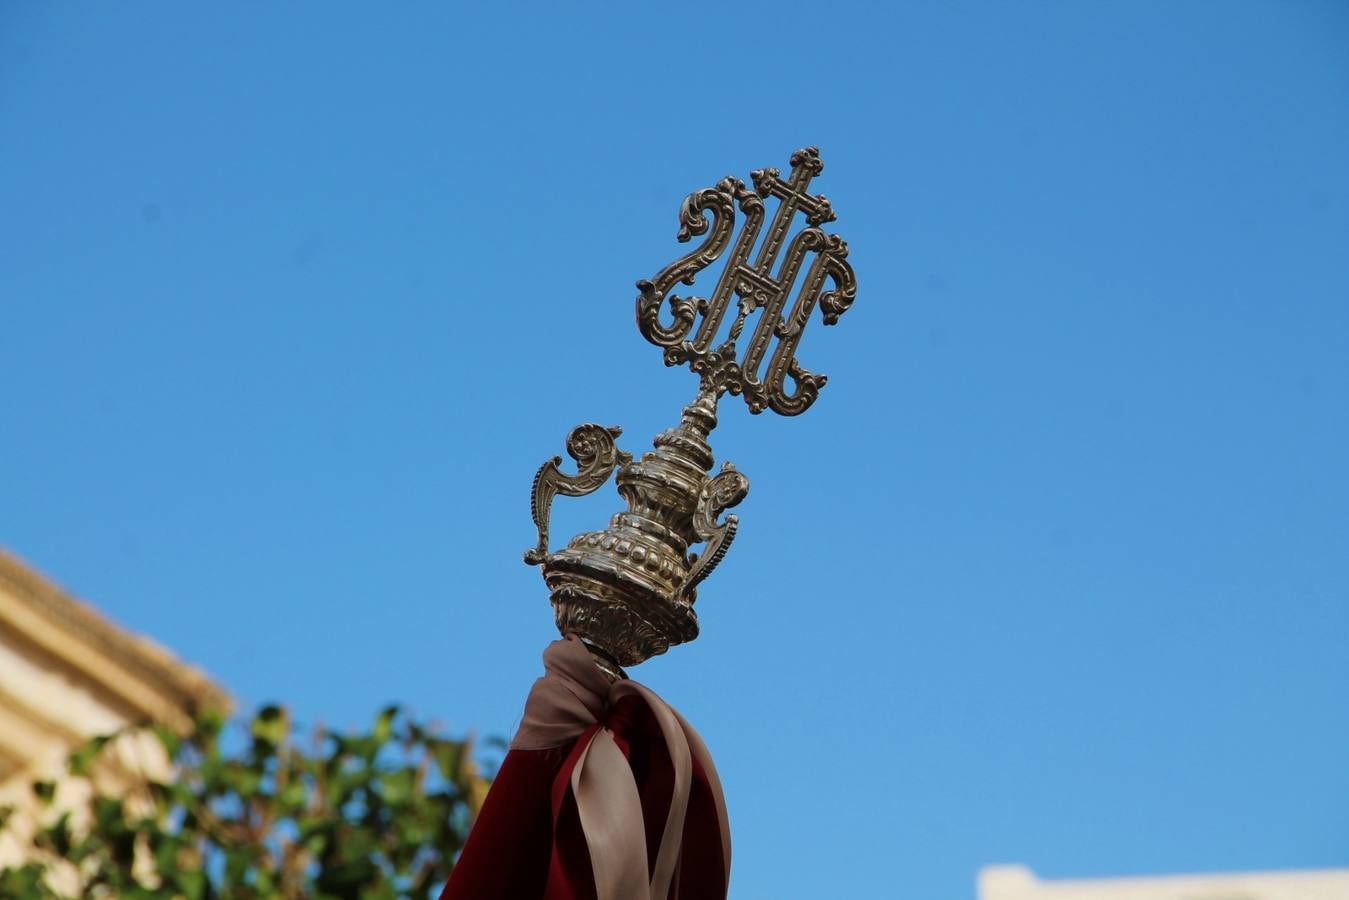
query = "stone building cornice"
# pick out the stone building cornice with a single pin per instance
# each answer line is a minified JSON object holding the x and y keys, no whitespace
{"x":140,"y":673}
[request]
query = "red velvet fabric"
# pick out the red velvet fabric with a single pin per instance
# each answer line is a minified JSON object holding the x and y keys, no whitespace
{"x":527,"y":842}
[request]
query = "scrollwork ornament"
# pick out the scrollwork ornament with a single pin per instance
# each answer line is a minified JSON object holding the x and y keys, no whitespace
{"x":652,"y":294}
{"x":596,"y":454}
{"x":836,"y":302}
{"x":719,"y":494}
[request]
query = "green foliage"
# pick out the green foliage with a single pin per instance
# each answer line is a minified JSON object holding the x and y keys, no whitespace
{"x":378,"y":815}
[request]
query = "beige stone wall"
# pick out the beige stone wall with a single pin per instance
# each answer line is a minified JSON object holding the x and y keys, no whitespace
{"x":48,"y":710}
{"x":67,"y":674}
{"x":1020,"y":883}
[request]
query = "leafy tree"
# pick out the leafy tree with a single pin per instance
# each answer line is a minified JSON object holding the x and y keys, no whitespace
{"x":375,"y":815}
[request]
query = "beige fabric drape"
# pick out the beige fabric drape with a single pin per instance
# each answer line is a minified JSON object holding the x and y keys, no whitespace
{"x":573,"y":695}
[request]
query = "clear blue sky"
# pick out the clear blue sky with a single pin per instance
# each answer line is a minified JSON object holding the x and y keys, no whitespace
{"x":293,"y":302}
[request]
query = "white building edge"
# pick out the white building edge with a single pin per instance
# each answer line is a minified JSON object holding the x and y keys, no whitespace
{"x":1020,"y":883}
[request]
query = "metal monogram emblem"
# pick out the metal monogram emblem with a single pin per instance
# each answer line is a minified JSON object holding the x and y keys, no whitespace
{"x":755,"y":286}
{"x":628,"y":590}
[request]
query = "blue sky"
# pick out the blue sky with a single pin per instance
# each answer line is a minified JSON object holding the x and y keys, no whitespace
{"x":293,"y":301}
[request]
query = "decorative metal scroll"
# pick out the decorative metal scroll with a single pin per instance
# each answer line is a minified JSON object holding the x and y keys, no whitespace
{"x":756,"y":285}
{"x":628,"y":590}
{"x":596,"y":455}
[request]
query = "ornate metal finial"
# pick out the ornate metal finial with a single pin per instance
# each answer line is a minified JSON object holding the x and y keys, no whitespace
{"x":628,"y":591}
{"x":755,"y":285}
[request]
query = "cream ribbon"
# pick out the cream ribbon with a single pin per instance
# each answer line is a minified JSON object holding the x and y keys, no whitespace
{"x":573,"y":695}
